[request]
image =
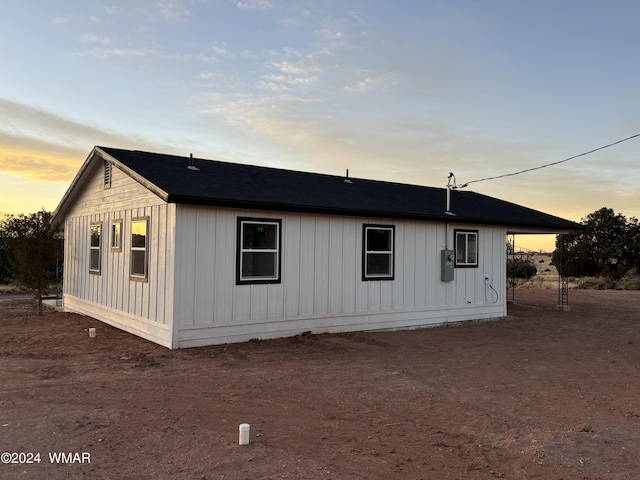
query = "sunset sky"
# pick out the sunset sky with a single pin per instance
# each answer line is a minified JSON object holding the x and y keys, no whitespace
{"x":403,"y":90}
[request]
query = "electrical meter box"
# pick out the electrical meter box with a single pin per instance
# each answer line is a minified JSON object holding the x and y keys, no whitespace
{"x":447,"y":259}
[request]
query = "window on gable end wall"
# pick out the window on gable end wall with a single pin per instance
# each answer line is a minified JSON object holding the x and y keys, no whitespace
{"x":378,"y":259}
{"x":139,"y":249}
{"x":95,"y":248}
{"x":466,"y":246}
{"x":258,"y":250}
{"x":116,"y":235}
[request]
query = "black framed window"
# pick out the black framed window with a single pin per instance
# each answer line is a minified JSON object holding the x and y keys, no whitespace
{"x":258,"y":250}
{"x":466,"y":246}
{"x":378,"y":252}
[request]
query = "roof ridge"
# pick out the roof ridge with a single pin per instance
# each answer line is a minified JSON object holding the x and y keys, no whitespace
{"x":271,"y":168}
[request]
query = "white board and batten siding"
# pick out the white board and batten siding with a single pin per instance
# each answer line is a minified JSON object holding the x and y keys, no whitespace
{"x":321,"y":287}
{"x":190,"y":297}
{"x":144,"y":308}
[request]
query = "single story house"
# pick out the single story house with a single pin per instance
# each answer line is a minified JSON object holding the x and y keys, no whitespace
{"x":188,"y":252}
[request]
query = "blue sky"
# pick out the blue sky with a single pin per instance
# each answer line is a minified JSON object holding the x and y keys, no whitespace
{"x":404,"y":91}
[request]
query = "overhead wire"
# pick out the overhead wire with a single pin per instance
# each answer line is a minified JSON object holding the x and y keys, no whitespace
{"x":549,"y":164}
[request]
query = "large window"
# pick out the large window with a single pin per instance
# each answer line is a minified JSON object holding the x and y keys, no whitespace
{"x":466,"y":248}
{"x":258,"y":251}
{"x":377,"y":252}
{"x":139,"y":248}
{"x":95,"y":248}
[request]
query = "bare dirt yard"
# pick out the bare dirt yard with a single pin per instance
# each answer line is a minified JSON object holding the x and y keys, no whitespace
{"x":543,"y":394}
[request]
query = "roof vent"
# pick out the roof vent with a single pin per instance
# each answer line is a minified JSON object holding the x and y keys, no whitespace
{"x":191,"y":165}
{"x":347,"y":179}
{"x":449,"y":188}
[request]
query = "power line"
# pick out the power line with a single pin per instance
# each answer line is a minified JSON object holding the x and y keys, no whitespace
{"x":551,"y":164}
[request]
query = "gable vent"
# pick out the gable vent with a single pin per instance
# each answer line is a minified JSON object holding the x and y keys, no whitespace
{"x":107,"y":174}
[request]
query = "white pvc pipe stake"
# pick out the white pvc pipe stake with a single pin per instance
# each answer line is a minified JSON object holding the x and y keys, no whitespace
{"x":243,"y":434}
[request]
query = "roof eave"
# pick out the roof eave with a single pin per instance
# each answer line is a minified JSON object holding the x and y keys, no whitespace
{"x":528,"y":230}
{"x":153,"y":188}
{"x":61,"y":210}
{"x":512,"y":227}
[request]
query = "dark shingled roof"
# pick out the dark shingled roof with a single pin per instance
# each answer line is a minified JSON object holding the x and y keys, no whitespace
{"x":226,"y":184}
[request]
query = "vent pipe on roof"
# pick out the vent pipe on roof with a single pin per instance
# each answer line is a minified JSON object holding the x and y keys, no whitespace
{"x":347,"y":179}
{"x":191,"y":165}
{"x":450,"y":187}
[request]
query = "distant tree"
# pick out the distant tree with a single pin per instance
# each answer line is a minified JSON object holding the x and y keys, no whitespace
{"x":608,"y":246}
{"x":632,"y":247}
{"x":5,"y":264}
{"x":33,"y":248}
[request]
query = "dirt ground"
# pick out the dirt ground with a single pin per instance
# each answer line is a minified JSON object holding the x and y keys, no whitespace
{"x":543,"y":394}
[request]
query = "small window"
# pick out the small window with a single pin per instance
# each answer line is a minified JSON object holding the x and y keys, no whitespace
{"x":377,"y":252}
{"x":466,"y":248}
{"x":258,"y":251}
{"x":139,"y":248}
{"x":95,"y":250}
{"x":107,"y":174}
{"x":116,"y":236}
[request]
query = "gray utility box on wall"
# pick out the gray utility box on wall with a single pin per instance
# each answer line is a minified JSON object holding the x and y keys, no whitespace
{"x":447,"y":258}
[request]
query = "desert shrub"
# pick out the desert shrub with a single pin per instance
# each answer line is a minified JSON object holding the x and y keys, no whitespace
{"x":596,"y":283}
{"x":521,"y":268}
{"x":630,"y":281}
